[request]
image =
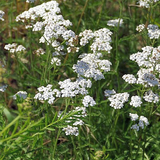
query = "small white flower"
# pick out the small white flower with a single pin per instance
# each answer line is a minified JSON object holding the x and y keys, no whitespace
{"x":47,"y":94}
{"x":13,"y":48}
{"x":90,"y":66}
{"x":56,"y":61}
{"x":71,"y":89}
{"x":117,"y":100}
{"x":115,"y":22}
{"x":78,"y":122}
{"x":88,"y":101}
{"x":1,"y":15}
{"x":129,"y":78}
{"x":140,"y":28}
{"x":69,"y":130}
{"x":136,"y":101}
{"x":146,"y":3}
{"x":153,"y":31}
{"x":108,"y":93}
{"x":3,"y":88}
{"x":144,"y":119}
{"x":134,"y":117}
{"x":151,"y":97}
{"x":21,"y":94}
{"x":135,"y":127}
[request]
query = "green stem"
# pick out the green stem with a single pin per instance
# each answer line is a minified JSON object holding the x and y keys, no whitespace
{"x":100,"y":14}
{"x":82,"y":15}
{"x":74,"y":146}
{"x":9,"y":125}
{"x":55,"y":144}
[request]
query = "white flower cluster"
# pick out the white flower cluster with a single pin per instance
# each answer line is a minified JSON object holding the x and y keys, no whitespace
{"x":47,"y":94}
{"x":143,"y":121}
{"x":90,"y":66}
{"x":3,"y":88}
{"x":134,"y":117}
{"x":129,"y":78}
{"x":148,"y":61}
{"x":146,"y":78}
{"x":146,"y":57}
{"x":1,"y":15}
{"x":56,"y":61}
{"x":146,"y":3}
{"x":151,"y":97}
{"x":101,"y":39}
{"x":69,"y":130}
{"x":88,"y":101}
{"x":72,"y":130}
{"x":108,"y":93}
{"x":20,"y":94}
{"x":153,"y":31}
{"x":115,"y":22}
{"x":136,"y":101}
{"x":52,"y":25}
{"x":86,"y":35}
{"x":117,"y":100}
{"x":71,"y":89}
{"x":82,"y":110}
{"x":140,"y":27}
{"x":14,"y":48}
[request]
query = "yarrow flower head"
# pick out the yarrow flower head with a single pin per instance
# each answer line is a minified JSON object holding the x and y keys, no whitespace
{"x":143,"y":121}
{"x":3,"y":88}
{"x":88,"y":101}
{"x":101,"y":39}
{"x":56,"y":61}
{"x":153,"y":31}
{"x":109,"y":93}
{"x":1,"y":15}
{"x":134,"y":117}
{"x":14,"y":48}
{"x":47,"y":94}
{"x":73,"y":130}
{"x":146,"y":3}
{"x":117,"y":100}
{"x":140,"y":27}
{"x":146,"y":78}
{"x":20,"y":94}
{"x":151,"y":97}
{"x":90,"y":66}
{"x":69,"y":130}
{"x":115,"y":22}
{"x":71,"y":89}
{"x":148,"y":61}
{"x":129,"y":78}
{"x":136,"y":101}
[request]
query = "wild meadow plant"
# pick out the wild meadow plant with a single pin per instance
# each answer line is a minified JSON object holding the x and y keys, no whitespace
{"x":88,"y":90}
